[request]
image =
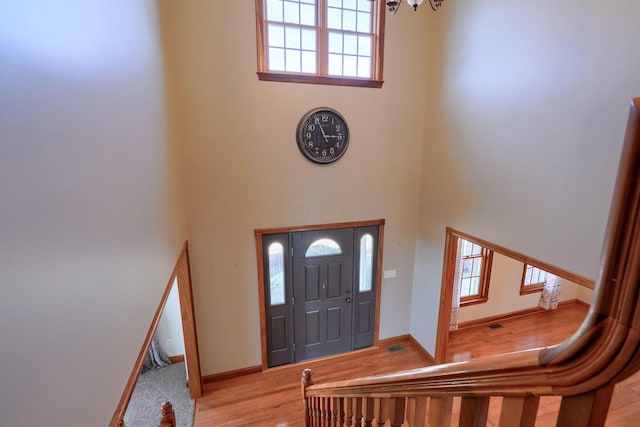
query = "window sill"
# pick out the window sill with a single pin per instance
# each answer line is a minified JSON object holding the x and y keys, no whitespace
{"x":336,"y":81}
{"x":472,"y":301}
{"x":531,"y":289}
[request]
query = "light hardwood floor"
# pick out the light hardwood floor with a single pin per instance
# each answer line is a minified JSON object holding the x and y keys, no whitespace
{"x":273,"y":398}
{"x":532,"y":331}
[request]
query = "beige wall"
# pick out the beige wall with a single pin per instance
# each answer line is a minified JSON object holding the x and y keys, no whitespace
{"x":244,"y":170}
{"x":504,"y":292}
{"x":91,"y":218}
{"x":525,"y":119}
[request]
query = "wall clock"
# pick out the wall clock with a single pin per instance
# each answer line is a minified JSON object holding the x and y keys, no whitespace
{"x":322,"y":135}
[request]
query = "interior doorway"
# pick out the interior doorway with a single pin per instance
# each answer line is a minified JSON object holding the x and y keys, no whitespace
{"x":181,"y":276}
{"x":319,"y":290}
{"x":452,"y":237}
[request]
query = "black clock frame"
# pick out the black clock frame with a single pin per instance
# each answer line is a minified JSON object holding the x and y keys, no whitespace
{"x":322,"y":135}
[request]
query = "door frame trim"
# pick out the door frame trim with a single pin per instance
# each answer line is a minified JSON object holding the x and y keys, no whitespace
{"x":259,"y":232}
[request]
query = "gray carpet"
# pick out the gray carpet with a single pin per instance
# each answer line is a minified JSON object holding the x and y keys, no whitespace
{"x":153,"y":389}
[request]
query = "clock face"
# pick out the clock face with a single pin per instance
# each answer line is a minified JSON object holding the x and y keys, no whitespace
{"x":322,"y":135}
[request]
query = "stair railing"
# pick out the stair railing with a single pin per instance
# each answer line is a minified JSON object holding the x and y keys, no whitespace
{"x":583,"y":370}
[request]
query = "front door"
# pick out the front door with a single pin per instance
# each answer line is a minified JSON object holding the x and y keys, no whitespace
{"x":322,"y":292}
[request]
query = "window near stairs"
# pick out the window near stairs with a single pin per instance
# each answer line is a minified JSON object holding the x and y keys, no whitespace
{"x":475,"y":270}
{"x":533,"y":279}
{"x":336,"y":42}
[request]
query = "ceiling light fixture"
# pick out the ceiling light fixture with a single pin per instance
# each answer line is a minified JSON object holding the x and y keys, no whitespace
{"x":393,"y":6}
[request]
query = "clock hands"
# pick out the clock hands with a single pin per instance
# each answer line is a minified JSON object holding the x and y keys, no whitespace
{"x":323,"y":134}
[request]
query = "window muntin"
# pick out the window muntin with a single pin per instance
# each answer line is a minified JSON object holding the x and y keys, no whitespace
{"x":366,"y":263}
{"x":474,"y":272}
{"x":323,"y":247}
{"x":321,"y":41}
{"x":276,"y":274}
{"x":533,"y":279}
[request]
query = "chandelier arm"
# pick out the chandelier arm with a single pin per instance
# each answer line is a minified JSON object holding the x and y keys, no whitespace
{"x":435,"y":4}
{"x":393,"y":6}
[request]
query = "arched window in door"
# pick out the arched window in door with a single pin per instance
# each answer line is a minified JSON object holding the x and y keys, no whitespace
{"x":323,"y":247}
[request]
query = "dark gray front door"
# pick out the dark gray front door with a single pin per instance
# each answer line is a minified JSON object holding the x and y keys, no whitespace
{"x":319,"y":292}
{"x":323,"y":292}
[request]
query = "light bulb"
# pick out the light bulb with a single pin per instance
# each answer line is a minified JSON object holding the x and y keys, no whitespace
{"x":415,"y":3}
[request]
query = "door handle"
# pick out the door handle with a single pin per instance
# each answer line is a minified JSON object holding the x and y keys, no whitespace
{"x":348,"y":300}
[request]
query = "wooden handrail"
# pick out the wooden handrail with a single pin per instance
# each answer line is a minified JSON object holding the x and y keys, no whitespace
{"x":605,"y":349}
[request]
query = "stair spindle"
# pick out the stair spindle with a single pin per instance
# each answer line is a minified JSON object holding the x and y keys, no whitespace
{"x":474,"y":411}
{"x":395,"y":409}
{"x":333,"y":412}
{"x":519,"y":411}
{"x":358,"y":411}
{"x":369,"y":411}
{"x":348,"y":411}
{"x":587,"y":409}
{"x":381,"y":410}
{"x":440,"y":409}
{"x":417,"y":411}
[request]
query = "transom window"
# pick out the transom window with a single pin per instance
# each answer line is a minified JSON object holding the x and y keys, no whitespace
{"x":474,"y":272}
{"x":321,"y":41}
{"x":533,"y":279}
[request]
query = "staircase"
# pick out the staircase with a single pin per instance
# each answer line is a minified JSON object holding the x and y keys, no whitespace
{"x":583,"y":370}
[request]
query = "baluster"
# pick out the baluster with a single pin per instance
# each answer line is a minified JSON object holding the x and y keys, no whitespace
{"x":168,"y":416}
{"x":417,"y":411}
{"x":341,"y":414}
{"x":333,"y":412}
{"x":395,"y":408}
{"x":519,"y":411}
{"x":358,"y":413}
{"x":381,"y":410}
{"x":474,"y":411}
{"x":587,"y":409}
{"x":348,"y":412}
{"x":326,"y":411}
{"x":313,"y":411}
{"x":369,"y":411}
{"x":320,"y":414}
{"x":440,"y":409}
{"x":306,"y":381}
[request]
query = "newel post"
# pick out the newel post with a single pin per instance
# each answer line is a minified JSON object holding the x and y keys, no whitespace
{"x":306,"y":381}
{"x":168,"y":416}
